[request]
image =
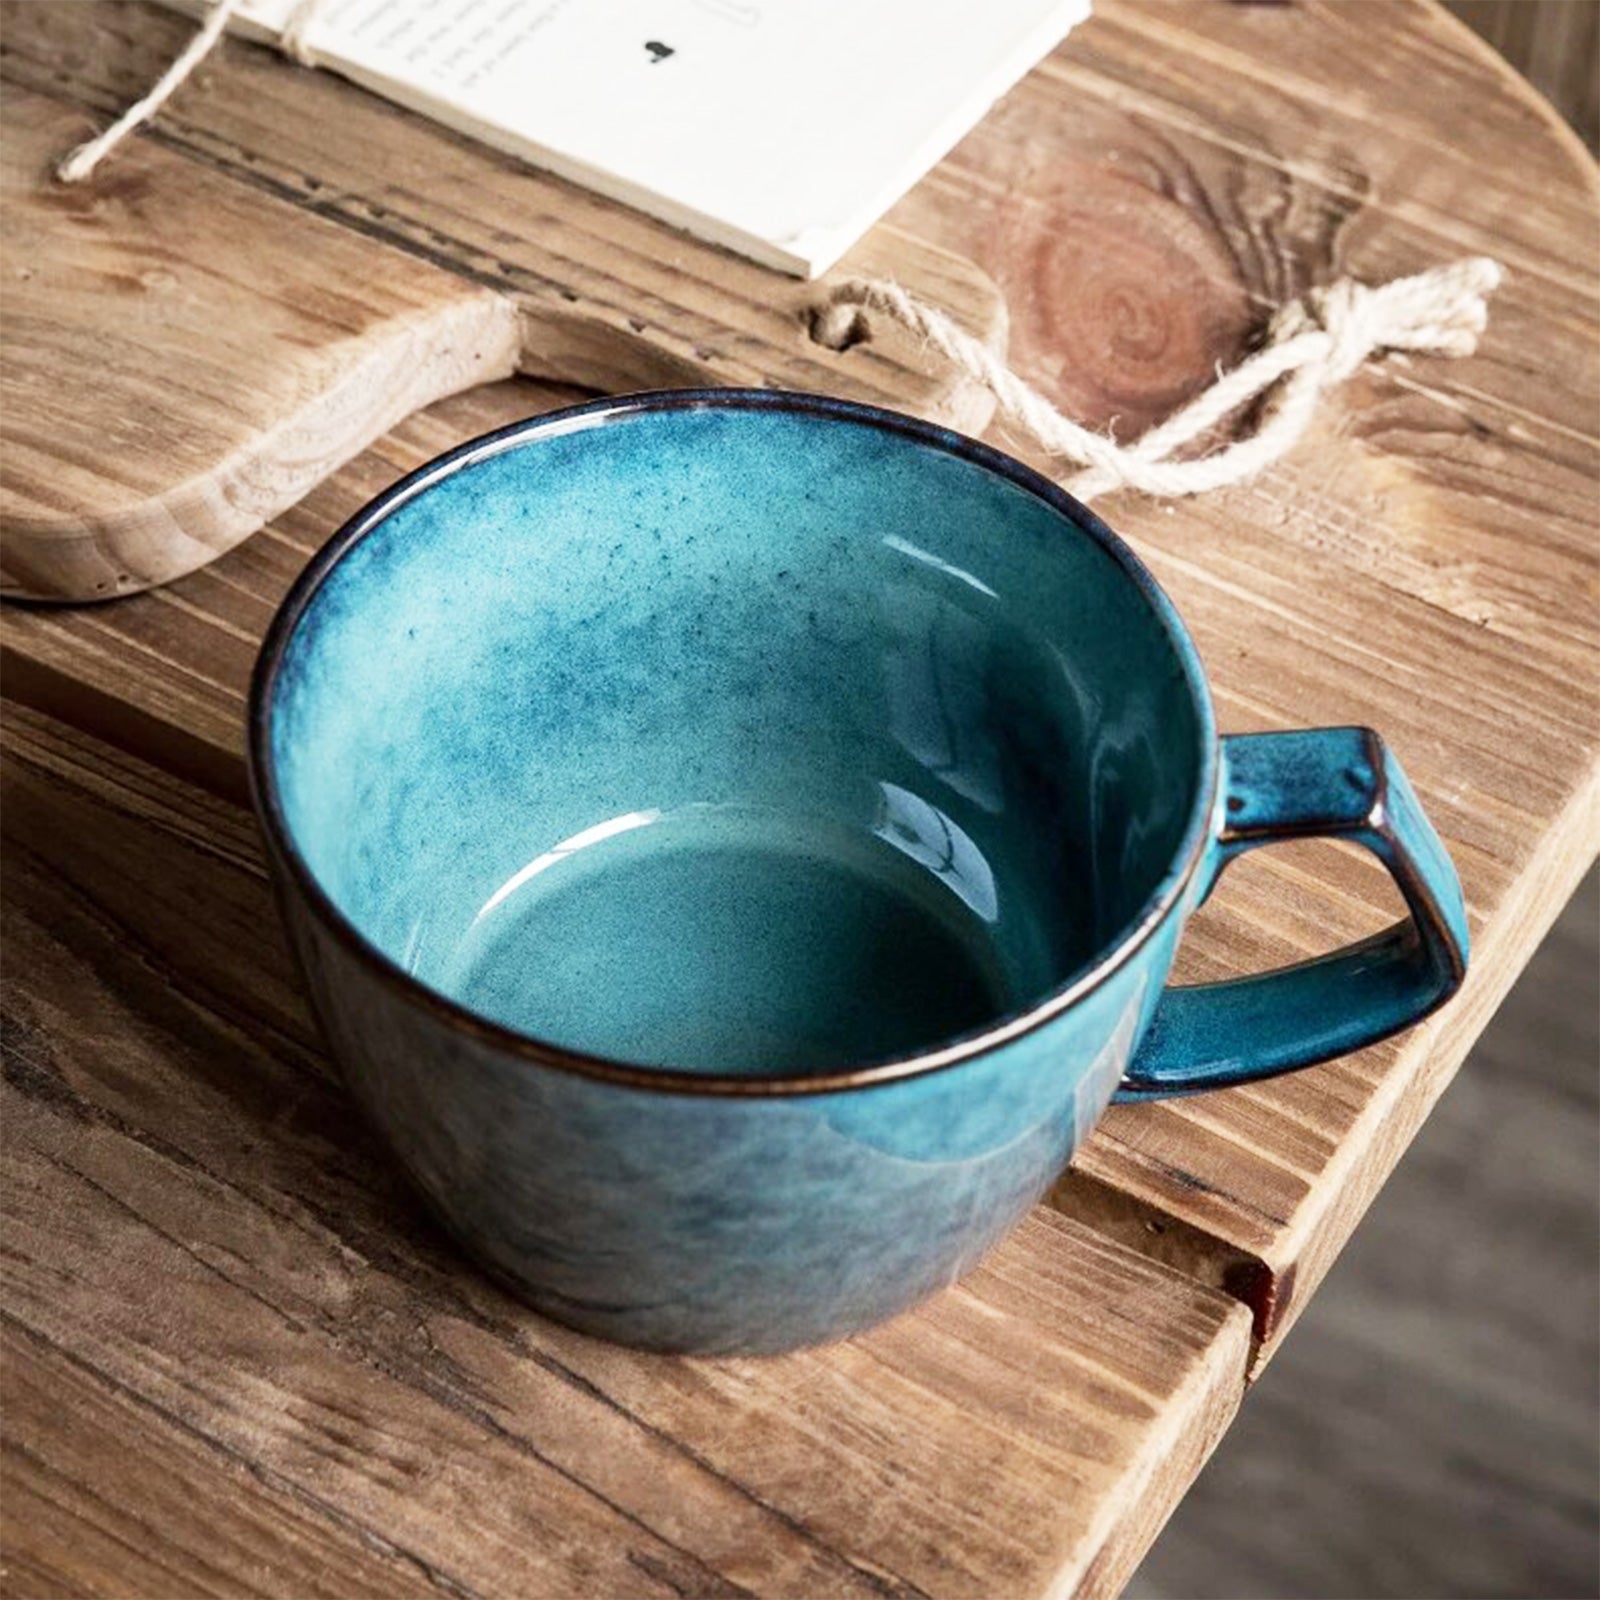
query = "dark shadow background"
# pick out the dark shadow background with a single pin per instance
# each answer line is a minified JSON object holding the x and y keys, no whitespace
{"x":1554,"y":44}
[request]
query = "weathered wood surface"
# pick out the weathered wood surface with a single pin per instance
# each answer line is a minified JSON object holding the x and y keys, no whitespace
{"x":182,"y":356}
{"x":239,"y":1359}
{"x":198,"y":334}
{"x":1428,"y":563}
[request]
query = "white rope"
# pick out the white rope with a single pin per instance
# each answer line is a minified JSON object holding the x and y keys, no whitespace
{"x":293,"y":40}
{"x":1309,"y":347}
{"x":78,"y":164}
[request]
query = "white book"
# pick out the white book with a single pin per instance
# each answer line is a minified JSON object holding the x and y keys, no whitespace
{"x":780,"y":129}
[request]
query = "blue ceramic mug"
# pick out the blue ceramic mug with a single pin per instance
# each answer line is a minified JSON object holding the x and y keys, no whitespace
{"x":737,"y":841}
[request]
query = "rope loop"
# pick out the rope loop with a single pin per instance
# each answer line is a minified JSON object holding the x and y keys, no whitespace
{"x":1310,"y":346}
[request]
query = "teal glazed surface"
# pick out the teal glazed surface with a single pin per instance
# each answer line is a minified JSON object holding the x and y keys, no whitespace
{"x":737,"y":843}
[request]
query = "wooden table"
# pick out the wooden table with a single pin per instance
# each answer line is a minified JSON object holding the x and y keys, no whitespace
{"x":238,"y":1360}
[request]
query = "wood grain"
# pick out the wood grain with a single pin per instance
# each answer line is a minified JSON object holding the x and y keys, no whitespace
{"x":184,"y":357}
{"x":214,"y":1271}
{"x":106,"y":1493}
{"x":215,"y":321}
{"x":1429,"y":563}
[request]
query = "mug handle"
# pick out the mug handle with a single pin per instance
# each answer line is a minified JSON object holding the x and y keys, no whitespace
{"x":1339,"y":783}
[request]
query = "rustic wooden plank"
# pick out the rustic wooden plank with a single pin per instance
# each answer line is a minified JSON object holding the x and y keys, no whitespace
{"x":107,"y":1495}
{"x":1383,"y":125}
{"x":185,"y":356}
{"x":203,"y":1236}
{"x":162,"y":399}
{"x":1166,"y":209}
{"x":1428,"y":563}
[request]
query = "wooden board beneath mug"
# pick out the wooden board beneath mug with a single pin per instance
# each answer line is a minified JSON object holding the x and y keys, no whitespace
{"x":235,"y":1341}
{"x":1428,"y":562}
{"x":215,"y":321}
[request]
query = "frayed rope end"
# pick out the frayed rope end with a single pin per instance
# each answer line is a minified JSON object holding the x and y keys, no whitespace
{"x":1311,"y":345}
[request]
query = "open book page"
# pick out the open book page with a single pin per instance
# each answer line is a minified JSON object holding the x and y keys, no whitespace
{"x":781,"y":129}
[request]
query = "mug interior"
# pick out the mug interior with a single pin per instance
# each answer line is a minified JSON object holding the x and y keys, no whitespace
{"x":734,"y":734}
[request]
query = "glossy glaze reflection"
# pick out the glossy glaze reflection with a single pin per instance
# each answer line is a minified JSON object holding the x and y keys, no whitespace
{"x":679,"y":626}
{"x":736,"y":844}
{"x":721,"y":939}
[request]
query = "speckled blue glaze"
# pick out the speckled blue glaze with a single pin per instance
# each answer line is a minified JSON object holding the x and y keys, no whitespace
{"x":737,"y":843}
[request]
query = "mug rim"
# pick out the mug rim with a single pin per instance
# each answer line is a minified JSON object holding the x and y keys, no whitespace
{"x":266,"y":798}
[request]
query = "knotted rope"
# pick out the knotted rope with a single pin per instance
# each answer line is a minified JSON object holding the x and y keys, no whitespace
{"x":1309,"y":347}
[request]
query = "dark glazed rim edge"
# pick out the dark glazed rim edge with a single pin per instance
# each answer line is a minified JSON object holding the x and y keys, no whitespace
{"x":265,"y":797}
